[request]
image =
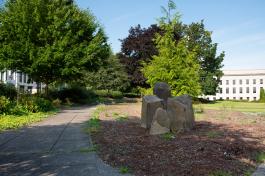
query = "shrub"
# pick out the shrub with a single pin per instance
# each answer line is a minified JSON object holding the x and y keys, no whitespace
{"x":75,"y":94}
{"x":109,"y":93}
{"x":5,"y":105}
{"x":8,"y":90}
{"x":35,"y":104}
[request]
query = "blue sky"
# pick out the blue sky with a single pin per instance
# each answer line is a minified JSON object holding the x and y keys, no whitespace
{"x":238,"y":26}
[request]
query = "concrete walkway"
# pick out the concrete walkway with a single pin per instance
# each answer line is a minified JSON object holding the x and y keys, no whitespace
{"x":52,"y":147}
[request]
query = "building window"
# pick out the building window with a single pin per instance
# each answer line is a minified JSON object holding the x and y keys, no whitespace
{"x":227,"y":82}
{"x":29,"y":89}
{"x":254,"y":81}
{"x":241,"y":90}
{"x":234,"y":82}
{"x":221,"y":91}
{"x":214,"y":98}
{"x":227,"y":98}
{"x":255,"y":98}
{"x":247,"y":91}
{"x":254,"y":90}
{"x":20,"y":77}
{"x":261,"y":81}
{"x":221,"y":98}
{"x":240,"y":81}
{"x":241,"y":98}
{"x":234,"y":90}
{"x":234,"y":98}
{"x":21,"y":88}
{"x":227,"y":90}
{"x":221,"y":82}
{"x":2,"y":76}
{"x":247,"y":81}
{"x":247,"y":98}
{"x":25,"y":78}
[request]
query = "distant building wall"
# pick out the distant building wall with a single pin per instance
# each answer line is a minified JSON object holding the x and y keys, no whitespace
{"x":240,"y":85}
{"x":20,"y":80}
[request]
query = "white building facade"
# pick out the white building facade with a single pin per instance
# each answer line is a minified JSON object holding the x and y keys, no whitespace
{"x":20,"y":80}
{"x":240,"y":85}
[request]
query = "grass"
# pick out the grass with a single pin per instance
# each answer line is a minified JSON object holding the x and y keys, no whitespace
{"x":260,"y":157}
{"x":220,"y":173}
{"x":234,"y":105}
{"x":8,"y":122}
{"x":119,"y":117}
{"x":93,"y":125}
{"x":124,"y":170}
{"x":214,"y":134}
{"x":168,"y":136}
{"x":94,"y":148}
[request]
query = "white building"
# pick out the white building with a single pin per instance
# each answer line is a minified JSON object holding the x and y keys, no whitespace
{"x":240,"y":85}
{"x":21,"y":81}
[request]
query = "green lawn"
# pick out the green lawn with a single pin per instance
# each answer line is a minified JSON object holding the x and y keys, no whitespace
{"x":233,"y":105}
{"x":13,"y":122}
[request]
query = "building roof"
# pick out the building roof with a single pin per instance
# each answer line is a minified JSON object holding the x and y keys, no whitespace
{"x":244,"y":72}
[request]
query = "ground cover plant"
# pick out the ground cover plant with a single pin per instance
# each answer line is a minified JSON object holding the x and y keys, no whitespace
{"x":223,"y":142}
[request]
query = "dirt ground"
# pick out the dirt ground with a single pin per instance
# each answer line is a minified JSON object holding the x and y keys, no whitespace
{"x":222,"y":142}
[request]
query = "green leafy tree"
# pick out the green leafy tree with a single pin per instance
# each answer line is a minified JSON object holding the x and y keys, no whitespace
{"x":262,"y":95}
{"x":51,"y":40}
{"x":174,"y":64}
{"x":111,"y":76}
{"x":139,"y":47}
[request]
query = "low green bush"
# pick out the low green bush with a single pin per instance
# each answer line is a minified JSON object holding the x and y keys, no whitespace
{"x":8,"y":90}
{"x":74,"y":94}
{"x":5,"y":105}
{"x":132,"y":95}
{"x":109,"y":94}
{"x":35,"y":104}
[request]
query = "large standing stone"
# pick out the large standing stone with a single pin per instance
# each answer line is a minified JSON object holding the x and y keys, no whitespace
{"x":160,"y":123}
{"x":186,"y":100}
{"x":150,"y":104}
{"x":163,"y":91}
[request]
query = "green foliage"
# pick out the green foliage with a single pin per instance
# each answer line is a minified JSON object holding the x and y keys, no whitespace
{"x":109,"y":93}
{"x":110,"y":76}
{"x":139,"y":47}
{"x":75,"y":94}
{"x":262,"y":95}
{"x":220,"y":173}
{"x":120,"y":117}
{"x":124,"y":170}
{"x":174,"y":64}
{"x":13,"y":121}
{"x":50,"y":40}
{"x":56,"y":103}
{"x":94,"y":148}
{"x":168,"y":136}
{"x":8,"y":90}
{"x":260,"y":157}
{"x":214,"y":134}
{"x":5,"y":105}
{"x":35,"y":104}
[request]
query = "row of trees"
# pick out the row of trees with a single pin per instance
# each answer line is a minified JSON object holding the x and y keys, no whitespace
{"x":55,"y":41}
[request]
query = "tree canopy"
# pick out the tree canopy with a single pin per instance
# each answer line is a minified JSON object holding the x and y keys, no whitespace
{"x":51,"y":40}
{"x":174,"y":64}
{"x":139,"y":47}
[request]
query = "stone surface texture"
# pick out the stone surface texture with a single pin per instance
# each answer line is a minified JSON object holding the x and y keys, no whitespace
{"x":149,"y":106}
{"x":162,"y":113}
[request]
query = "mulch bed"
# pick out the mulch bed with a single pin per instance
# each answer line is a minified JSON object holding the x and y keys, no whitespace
{"x":211,"y":146}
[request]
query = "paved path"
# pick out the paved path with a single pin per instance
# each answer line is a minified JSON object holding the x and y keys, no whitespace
{"x":52,"y":147}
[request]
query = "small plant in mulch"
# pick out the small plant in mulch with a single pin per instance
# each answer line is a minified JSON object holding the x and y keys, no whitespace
{"x":214,"y":134}
{"x":119,"y":117}
{"x":94,"y":148}
{"x":124,"y":170}
{"x":220,"y":173}
{"x":260,"y":157}
{"x":168,"y":136}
